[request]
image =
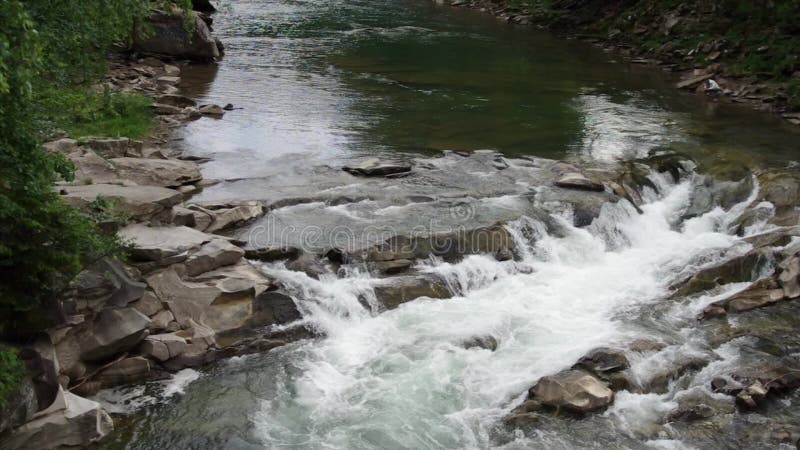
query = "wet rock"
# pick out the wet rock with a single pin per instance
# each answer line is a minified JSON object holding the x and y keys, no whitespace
{"x":396,"y":291}
{"x":726,"y":386}
{"x":158,"y":243}
{"x":780,"y":187}
{"x":73,"y":422}
{"x":658,"y":382}
{"x":374,"y":167}
{"x":157,"y":172}
{"x":165,"y":110}
{"x":272,"y":253}
{"x":751,"y":396}
{"x":646,"y":345}
{"x":789,"y":276}
{"x":739,"y":269}
{"x":578,"y":181}
{"x":126,"y":371}
{"x":604,"y":360}
{"x":212,"y":255}
{"x":212,"y":111}
{"x":162,"y":347}
{"x":393,"y":267}
{"x":573,"y":391}
{"x":485,"y":342}
{"x":693,"y":82}
{"x":113,"y":331}
{"x":168,"y":35}
{"x":761,"y":293}
{"x":179,"y":101}
{"x":139,"y":202}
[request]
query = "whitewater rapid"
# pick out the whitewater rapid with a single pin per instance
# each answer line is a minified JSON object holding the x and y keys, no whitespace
{"x":401,"y":379}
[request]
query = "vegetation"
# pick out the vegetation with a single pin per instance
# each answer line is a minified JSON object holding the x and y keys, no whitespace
{"x":11,"y":372}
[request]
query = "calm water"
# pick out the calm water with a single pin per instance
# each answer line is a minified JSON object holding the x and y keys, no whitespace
{"x":323,"y":82}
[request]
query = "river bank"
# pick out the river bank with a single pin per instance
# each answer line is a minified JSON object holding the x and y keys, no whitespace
{"x":755,"y":63}
{"x":471,"y":294}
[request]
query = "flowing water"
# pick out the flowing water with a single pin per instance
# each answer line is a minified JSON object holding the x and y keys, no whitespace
{"x":321,"y":83}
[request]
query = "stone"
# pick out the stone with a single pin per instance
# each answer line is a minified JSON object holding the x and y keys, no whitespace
{"x":393,"y":267}
{"x":646,"y":345}
{"x":165,"y":110}
{"x":106,"y":283}
{"x":113,"y":331}
{"x":212,"y":255}
{"x":171,"y":71}
{"x":789,"y":277}
{"x":77,"y":422}
{"x":574,"y":391}
{"x":90,"y":168}
{"x":161,"y":321}
{"x":203,"y":6}
{"x":604,"y":360}
{"x":226,"y":215}
{"x":113,"y":147}
{"x":752,"y":396}
{"x":578,"y":181}
{"x":163,"y":347}
{"x":149,"y":304}
{"x":138,"y":202}
{"x":272,"y":253}
{"x":157,"y":172}
{"x":781,"y":187}
{"x":211,"y":110}
{"x":187,"y":301}
{"x":396,"y":291}
{"x":168,"y":36}
{"x":374,"y":167}
{"x":63,"y":145}
{"x":175,"y":100}
{"x":158,"y":243}
{"x":20,"y":406}
{"x":693,"y":82}
{"x":126,"y":371}
{"x":485,"y":342}
{"x":274,"y":308}
{"x":739,"y":269}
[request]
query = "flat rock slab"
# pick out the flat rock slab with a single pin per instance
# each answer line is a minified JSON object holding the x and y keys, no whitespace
{"x":578,"y":181}
{"x":374,"y":167}
{"x":136,"y":201}
{"x":157,"y":172}
{"x":157,"y":243}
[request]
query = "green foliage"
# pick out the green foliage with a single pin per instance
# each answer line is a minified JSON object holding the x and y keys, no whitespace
{"x":80,"y":112}
{"x":11,"y":372}
{"x":793,"y":92}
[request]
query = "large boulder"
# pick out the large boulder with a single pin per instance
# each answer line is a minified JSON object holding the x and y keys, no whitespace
{"x":113,"y":331}
{"x":158,"y":243}
{"x":168,"y":34}
{"x":106,"y":283}
{"x":226,"y":215}
{"x":573,"y":391}
{"x":139,"y":202}
{"x":396,"y":291}
{"x":125,"y":371}
{"x":73,"y":422}
{"x":274,"y":308}
{"x":113,"y":147}
{"x":162,"y":347}
{"x":739,"y":269}
{"x":157,"y":172}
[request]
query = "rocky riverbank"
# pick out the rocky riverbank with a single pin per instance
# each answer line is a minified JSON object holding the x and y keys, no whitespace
{"x":691,"y":40}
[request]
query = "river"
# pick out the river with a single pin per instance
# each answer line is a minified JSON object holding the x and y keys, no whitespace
{"x":319,"y":84}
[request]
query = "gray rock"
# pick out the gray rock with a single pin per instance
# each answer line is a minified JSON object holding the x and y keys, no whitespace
{"x":139,"y":202}
{"x":374,"y":167}
{"x":149,"y":304}
{"x":604,"y":360}
{"x":161,"y":321}
{"x":396,"y":291}
{"x":165,"y":110}
{"x":113,"y":331}
{"x":574,"y":391}
{"x":212,"y":255}
{"x":126,"y":371}
{"x":163,"y":347}
{"x":485,"y":342}
{"x":113,"y":147}
{"x":274,"y":307}
{"x":157,"y":172}
{"x":215,"y":111}
{"x":272,"y":253}
{"x":578,"y":181}
{"x":393,"y":267}
{"x":158,"y":243}
{"x":75,"y":422}
{"x":226,"y":215}
{"x":63,"y":145}
{"x":179,"y":101}
{"x":169,"y":37}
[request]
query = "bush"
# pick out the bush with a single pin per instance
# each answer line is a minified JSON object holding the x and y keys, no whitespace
{"x":11,"y":372}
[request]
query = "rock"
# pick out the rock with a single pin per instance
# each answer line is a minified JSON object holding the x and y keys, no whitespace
{"x":374,"y":167}
{"x":158,"y":243}
{"x":163,"y":347}
{"x":90,"y":168}
{"x":107,"y":284}
{"x":739,"y":269}
{"x":76,"y":422}
{"x":175,"y":100}
{"x":20,"y":406}
{"x":393,"y":267}
{"x":504,"y":254}
{"x":274,"y":308}
{"x":167,"y":80}
{"x":693,"y":82}
{"x":138,"y":202}
{"x":272,"y":253}
{"x":578,"y":181}
{"x":203,"y":6}
{"x":789,"y":277}
{"x":148,"y":305}
{"x":161,"y":321}
{"x":485,"y":342}
{"x":187,"y":301}
{"x":752,"y":396}
{"x":126,"y":371}
{"x":761,"y":293}
{"x":165,"y":110}
{"x":574,"y":391}
{"x":168,"y":36}
{"x":780,"y":187}
{"x":113,"y":147}
{"x":226,"y":215}
{"x":396,"y":291}
{"x":113,"y":331}
{"x":63,"y":145}
{"x":604,"y":360}
{"x":646,"y":345}
{"x":212,"y":110}
{"x":157,"y":172}
{"x":212,"y":255}
{"x":171,"y":71}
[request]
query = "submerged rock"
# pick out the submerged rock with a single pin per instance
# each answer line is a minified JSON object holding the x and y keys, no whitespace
{"x":399,"y":290}
{"x":485,"y":342}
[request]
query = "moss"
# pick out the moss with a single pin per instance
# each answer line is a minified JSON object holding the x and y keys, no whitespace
{"x":80,"y":112}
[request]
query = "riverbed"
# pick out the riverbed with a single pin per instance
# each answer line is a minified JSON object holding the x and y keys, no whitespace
{"x":321,"y":84}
